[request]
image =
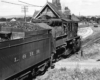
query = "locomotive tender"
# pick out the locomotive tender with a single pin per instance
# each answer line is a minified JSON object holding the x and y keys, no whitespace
{"x":25,"y":54}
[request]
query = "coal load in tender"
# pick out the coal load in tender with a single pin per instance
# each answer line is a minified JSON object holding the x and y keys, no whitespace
{"x":21,"y":25}
{"x":18,"y":29}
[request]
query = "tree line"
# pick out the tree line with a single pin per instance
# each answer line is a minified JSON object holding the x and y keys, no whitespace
{"x":17,"y":19}
{"x":89,"y":19}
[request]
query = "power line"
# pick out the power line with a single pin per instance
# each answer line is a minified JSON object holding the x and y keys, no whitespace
{"x":21,"y":4}
{"x":30,"y":4}
{"x":11,"y":3}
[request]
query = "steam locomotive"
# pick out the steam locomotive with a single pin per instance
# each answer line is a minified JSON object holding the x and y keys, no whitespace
{"x":27,"y":49}
{"x":30,"y":48}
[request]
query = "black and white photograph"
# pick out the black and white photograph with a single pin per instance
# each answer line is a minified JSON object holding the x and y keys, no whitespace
{"x":49,"y":40}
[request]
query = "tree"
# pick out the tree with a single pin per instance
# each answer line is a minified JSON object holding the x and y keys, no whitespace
{"x":2,"y":19}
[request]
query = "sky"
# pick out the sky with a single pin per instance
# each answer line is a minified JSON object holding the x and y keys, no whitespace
{"x":77,"y":7}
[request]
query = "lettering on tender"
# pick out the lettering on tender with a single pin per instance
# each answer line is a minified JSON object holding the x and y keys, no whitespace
{"x":37,"y":51}
{"x":24,"y":56}
{"x":31,"y":53}
{"x":15,"y":59}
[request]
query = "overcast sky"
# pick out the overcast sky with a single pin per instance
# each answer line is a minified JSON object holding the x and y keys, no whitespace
{"x":84,"y":7}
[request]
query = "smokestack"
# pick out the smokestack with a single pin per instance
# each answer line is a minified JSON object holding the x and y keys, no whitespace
{"x":57,"y":4}
{"x":67,"y":12}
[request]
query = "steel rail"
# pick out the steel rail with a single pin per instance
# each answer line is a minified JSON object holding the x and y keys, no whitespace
{"x":91,"y":41}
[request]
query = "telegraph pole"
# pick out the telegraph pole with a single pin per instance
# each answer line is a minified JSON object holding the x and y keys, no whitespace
{"x":25,"y":10}
{"x":79,"y":14}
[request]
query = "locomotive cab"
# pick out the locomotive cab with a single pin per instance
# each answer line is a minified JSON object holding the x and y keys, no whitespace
{"x":65,"y":34}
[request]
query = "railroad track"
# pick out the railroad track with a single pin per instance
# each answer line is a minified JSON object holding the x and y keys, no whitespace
{"x":90,"y":41}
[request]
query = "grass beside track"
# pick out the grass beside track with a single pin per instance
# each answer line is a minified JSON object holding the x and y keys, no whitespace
{"x":76,"y":74}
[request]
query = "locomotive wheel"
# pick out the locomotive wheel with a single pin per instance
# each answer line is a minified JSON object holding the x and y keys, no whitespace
{"x":68,"y":52}
{"x":44,"y":68}
{"x":33,"y":72}
{"x":68,"y":49}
